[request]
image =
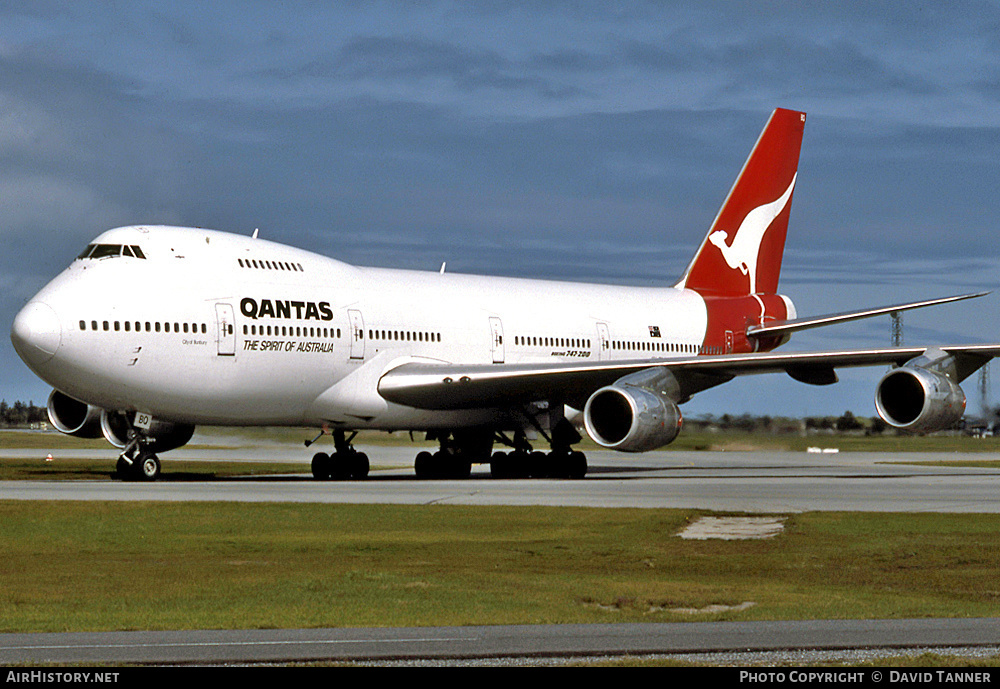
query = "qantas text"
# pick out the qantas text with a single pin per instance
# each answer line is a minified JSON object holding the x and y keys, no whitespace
{"x":284,"y":308}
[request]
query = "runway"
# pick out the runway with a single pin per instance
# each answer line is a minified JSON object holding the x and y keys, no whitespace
{"x":751,"y":482}
{"x":743,"y":482}
{"x":513,"y":641}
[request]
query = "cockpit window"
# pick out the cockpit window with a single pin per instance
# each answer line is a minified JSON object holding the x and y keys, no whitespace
{"x":94,"y":251}
{"x":105,"y":250}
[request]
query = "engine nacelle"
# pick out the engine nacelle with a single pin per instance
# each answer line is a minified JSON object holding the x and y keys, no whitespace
{"x":115,"y":426}
{"x":919,"y":399}
{"x":74,"y":417}
{"x":632,"y":418}
{"x":163,"y":435}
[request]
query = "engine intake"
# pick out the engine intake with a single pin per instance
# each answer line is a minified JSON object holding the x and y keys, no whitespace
{"x":74,"y":417}
{"x":636,"y":413}
{"x":918,"y":399}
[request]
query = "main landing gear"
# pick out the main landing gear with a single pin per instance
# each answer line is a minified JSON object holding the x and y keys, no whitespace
{"x":461,"y":449}
{"x":523,"y":462}
{"x":344,"y":464}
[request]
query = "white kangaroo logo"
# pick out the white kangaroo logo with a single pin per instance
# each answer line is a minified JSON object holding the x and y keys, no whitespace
{"x":742,"y":253}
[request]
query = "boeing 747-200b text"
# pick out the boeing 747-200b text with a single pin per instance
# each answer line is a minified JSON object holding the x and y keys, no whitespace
{"x":154,"y":330}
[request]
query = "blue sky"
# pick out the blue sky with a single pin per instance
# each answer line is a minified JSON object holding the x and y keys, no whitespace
{"x":575,"y":140}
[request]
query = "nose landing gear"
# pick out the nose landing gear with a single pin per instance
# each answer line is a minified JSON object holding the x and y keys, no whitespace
{"x":137,"y":461}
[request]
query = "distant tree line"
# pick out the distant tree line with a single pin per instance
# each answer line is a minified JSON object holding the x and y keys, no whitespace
{"x":25,"y":414}
{"x":21,"y":414}
{"x":748,"y":423}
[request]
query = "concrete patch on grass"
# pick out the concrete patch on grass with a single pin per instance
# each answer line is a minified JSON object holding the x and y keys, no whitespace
{"x":709,"y":609}
{"x":733,"y":528}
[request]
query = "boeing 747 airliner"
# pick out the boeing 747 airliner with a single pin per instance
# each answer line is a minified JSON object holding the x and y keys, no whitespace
{"x":154,"y":330}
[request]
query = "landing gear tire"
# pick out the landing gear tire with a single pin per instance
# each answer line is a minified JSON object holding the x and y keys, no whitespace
{"x":149,"y":468}
{"x":321,"y":466}
{"x":539,"y":465}
{"x":122,"y":469}
{"x":340,"y":466}
{"x":499,"y":465}
{"x":504,"y":465}
{"x":441,"y":465}
{"x":359,"y":466}
{"x":457,"y":468}
{"x":423,"y":465}
{"x":575,"y":466}
{"x":520,"y":464}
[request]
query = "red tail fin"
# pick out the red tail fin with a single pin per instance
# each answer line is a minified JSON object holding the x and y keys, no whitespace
{"x":742,"y":252}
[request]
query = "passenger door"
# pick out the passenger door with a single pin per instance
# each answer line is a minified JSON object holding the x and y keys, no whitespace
{"x":226,"y":329}
{"x":357,"y":334}
{"x":496,"y":332}
{"x":603,"y":342}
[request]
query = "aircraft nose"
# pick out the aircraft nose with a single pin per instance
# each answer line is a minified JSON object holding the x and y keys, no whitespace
{"x":36,"y":333}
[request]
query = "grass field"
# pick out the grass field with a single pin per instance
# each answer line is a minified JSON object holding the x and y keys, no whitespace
{"x":101,"y":566}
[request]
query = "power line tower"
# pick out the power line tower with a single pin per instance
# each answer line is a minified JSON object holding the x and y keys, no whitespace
{"x":984,"y":390}
{"x":896,"y":328}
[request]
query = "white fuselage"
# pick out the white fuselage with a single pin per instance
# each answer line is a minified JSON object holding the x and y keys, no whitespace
{"x":213,"y":328}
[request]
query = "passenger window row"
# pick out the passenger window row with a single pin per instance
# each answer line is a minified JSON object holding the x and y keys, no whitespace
{"x":291,"y":331}
{"x":403,"y":336}
{"x":579,"y":342}
{"x":627,"y":346}
{"x":270,"y":265}
{"x":145,"y":326}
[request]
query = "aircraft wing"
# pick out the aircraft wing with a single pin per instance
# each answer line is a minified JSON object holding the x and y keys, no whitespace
{"x":454,"y":386}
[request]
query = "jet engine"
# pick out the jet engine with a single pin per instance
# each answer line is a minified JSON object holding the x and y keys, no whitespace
{"x":637,"y":413}
{"x":920,"y":396}
{"x":74,"y":417}
{"x":164,"y":435}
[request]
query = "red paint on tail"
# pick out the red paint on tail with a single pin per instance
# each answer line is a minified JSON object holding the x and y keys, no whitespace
{"x":741,"y":254}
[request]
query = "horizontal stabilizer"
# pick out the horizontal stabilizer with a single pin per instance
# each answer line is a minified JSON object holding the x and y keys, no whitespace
{"x":774,"y":328}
